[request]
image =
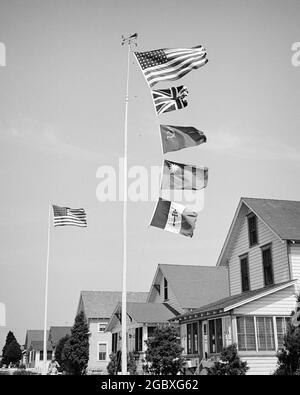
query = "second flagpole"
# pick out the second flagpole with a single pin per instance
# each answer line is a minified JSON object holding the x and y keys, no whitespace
{"x":46,"y":296}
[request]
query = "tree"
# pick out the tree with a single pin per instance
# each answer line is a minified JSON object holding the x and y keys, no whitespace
{"x":14,"y":351}
{"x":59,"y":349}
{"x":229,"y":364}
{"x":114,"y":365}
{"x":289,"y":357}
{"x":164,"y":352}
{"x":75,"y":354}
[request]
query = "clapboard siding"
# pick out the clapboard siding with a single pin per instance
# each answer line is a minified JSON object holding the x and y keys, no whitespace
{"x":261,"y":365}
{"x":157,"y":297}
{"x":241,"y":246}
{"x":295,"y":262}
{"x":280,"y":303}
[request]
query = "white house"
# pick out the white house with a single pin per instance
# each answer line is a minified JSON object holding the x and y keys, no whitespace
{"x":98,"y":307}
{"x":262,"y":254}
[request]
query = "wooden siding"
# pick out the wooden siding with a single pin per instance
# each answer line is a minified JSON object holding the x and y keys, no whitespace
{"x":295,"y":262}
{"x":278,"y":303}
{"x":241,"y":246}
{"x":261,"y":365}
{"x":155,"y":297}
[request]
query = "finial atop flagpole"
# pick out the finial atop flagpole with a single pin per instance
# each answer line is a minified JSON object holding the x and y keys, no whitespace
{"x":130,"y":39}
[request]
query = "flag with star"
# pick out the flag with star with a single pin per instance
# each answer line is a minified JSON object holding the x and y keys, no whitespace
{"x":181,"y":176}
{"x":66,"y":216}
{"x":174,"y":217}
{"x":175,"y":138}
{"x":171,"y":99}
{"x":170,"y":64}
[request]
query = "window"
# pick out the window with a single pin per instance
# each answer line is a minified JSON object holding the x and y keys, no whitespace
{"x":102,"y":326}
{"x":192,"y":338}
{"x":166,"y":296}
{"x":101,"y":351}
{"x":265,"y":334}
{"x":281,"y":326}
{"x":139,"y":339}
{"x":151,"y":330}
{"x":114,"y":345}
{"x":49,"y":355}
{"x":246,"y":333}
{"x":215,"y":336}
{"x":252,"y":230}
{"x":267,"y":265}
{"x":245,"y":273}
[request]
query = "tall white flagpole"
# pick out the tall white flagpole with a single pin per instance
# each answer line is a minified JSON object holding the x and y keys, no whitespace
{"x":46,"y":297}
{"x":127,"y":40}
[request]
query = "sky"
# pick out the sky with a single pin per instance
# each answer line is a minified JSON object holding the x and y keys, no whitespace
{"x":62,"y":103}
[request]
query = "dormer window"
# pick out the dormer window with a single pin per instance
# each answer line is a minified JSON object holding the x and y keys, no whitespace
{"x":166,"y":293}
{"x":252,"y":230}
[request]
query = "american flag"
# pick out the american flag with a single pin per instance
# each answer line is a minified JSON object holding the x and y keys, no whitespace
{"x":170,"y":64}
{"x":171,"y":99}
{"x":64,"y":216}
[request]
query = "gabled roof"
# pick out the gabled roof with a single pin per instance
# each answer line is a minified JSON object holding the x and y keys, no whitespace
{"x":58,"y":332}
{"x":34,"y":335}
{"x":144,"y":313}
{"x":282,"y":217}
{"x":195,"y":285}
{"x":39,"y":345}
{"x":231,"y":302}
{"x":101,"y":304}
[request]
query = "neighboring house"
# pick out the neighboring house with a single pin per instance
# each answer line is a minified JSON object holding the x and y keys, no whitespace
{"x":262,"y":254}
{"x":185,"y":287}
{"x":98,"y":307}
{"x":56,"y":333}
{"x":36,"y":355}
{"x":142,"y":320}
{"x":33,"y":348}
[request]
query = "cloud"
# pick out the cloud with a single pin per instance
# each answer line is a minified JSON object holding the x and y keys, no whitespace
{"x":44,"y":138}
{"x":231,"y":141}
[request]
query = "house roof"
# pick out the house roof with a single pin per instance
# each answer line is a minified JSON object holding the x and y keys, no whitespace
{"x":231,"y":302}
{"x":34,"y":335}
{"x":58,"y":332}
{"x":149,"y":312}
{"x":282,"y":216}
{"x":196,"y":285}
{"x":38,"y":345}
{"x":101,"y":304}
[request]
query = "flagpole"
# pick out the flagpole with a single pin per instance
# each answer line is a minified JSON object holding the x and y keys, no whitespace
{"x":46,"y":297}
{"x":127,"y":41}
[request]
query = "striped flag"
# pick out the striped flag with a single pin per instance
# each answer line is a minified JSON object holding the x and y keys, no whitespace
{"x":181,"y":176}
{"x":170,"y":64}
{"x":65,"y":216}
{"x":174,"y":217}
{"x":175,"y":138}
{"x":171,"y":99}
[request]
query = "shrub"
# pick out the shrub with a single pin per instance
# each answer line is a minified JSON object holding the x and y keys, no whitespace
{"x":229,"y":364}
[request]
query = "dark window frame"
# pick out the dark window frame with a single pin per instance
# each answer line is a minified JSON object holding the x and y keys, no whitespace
{"x":166,"y":290}
{"x":138,"y":339}
{"x":252,"y":233}
{"x":193,"y":338}
{"x":242,"y":258}
{"x":267,"y":247}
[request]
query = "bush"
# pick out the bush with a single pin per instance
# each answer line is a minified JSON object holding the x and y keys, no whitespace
{"x":164,"y":352}
{"x":229,"y":364}
{"x":24,"y":372}
{"x":114,"y":365}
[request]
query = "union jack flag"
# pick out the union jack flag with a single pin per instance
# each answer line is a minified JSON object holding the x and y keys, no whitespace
{"x":171,"y":99}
